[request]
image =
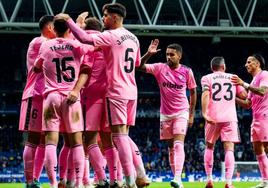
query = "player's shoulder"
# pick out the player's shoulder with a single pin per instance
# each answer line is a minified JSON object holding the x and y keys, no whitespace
{"x":37,"y":41}
{"x":264,"y":73}
{"x":185,"y":67}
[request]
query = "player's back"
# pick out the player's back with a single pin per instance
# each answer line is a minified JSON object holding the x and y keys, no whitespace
{"x":62,"y":59}
{"x":34,"y":83}
{"x":122,"y":55}
{"x":221,"y":105}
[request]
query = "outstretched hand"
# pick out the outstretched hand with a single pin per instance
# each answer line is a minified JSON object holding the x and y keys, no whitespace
{"x":153,"y":47}
{"x":236,"y":80}
{"x":81,"y":18}
{"x":62,"y":16}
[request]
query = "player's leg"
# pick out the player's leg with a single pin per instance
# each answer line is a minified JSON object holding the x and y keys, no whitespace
{"x":39,"y":160}
{"x":51,"y":125}
{"x":93,"y":118}
{"x":178,"y":128}
{"x":63,"y":161}
{"x":31,"y":144}
{"x":73,"y":120}
{"x":31,"y":122}
{"x":141,"y":178}
{"x":229,"y":162}
{"x":212,"y":133}
{"x":229,"y":136}
{"x":111,"y":155}
{"x":259,"y":130}
{"x":117,"y":118}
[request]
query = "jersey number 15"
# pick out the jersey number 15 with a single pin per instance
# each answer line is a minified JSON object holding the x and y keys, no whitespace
{"x":61,"y":67}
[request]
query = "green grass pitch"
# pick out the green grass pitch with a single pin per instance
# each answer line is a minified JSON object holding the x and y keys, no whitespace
{"x":155,"y":185}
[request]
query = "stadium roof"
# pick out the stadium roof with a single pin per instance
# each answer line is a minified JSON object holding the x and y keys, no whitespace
{"x":223,"y":18}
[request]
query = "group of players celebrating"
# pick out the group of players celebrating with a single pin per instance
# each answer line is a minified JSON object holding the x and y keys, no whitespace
{"x":81,"y":83}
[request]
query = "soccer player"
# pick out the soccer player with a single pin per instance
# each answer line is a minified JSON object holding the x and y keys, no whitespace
{"x":257,"y":100}
{"x":93,"y":76}
{"x":60,"y":59}
{"x":121,"y":51}
{"x":175,"y":112}
{"x":219,"y":112}
{"x":31,"y":108}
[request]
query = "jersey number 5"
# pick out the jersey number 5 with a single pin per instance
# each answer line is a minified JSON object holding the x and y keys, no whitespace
{"x":61,"y":67}
{"x":130,"y":60}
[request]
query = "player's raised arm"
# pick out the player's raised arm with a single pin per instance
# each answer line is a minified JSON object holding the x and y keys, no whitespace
{"x":152,"y":49}
{"x":79,"y":33}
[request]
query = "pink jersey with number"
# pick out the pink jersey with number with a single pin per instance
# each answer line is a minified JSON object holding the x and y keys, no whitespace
{"x":221,"y":105}
{"x":121,"y":50}
{"x":95,"y":89}
{"x":35,"y":82}
{"x":259,"y":104}
{"x":61,"y":64}
{"x":173,"y":85}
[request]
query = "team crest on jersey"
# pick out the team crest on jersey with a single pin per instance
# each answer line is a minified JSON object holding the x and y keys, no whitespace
{"x":181,"y":78}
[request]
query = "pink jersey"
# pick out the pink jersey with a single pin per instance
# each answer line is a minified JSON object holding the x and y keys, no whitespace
{"x":95,"y":89}
{"x":221,"y":105}
{"x":173,"y":85}
{"x":61,"y":63}
{"x":121,"y":50}
{"x":35,"y":82}
{"x":259,"y":103}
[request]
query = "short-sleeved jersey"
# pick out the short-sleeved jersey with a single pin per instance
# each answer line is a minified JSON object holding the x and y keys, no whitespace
{"x":173,"y":84}
{"x":221,"y":106}
{"x":95,"y":88}
{"x":121,"y":51}
{"x":259,"y":103}
{"x":61,"y":64}
{"x":35,"y":82}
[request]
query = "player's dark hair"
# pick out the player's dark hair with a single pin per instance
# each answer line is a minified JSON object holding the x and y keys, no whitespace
{"x":216,"y":63}
{"x":44,"y":20}
{"x":176,"y":47}
{"x":116,"y":8}
{"x":261,"y":60}
{"x":93,"y":23}
{"x":60,"y":27}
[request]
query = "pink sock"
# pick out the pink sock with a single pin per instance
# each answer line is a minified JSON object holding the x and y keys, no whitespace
{"x":70,"y":167}
{"x":86,"y":180}
{"x":263,"y":165}
{"x":51,"y":163}
{"x":208,"y":161}
{"x":229,"y":164}
{"x":111,"y":156}
{"x":179,"y":157}
{"x":137,"y":160}
{"x":96,"y":159}
{"x":125,"y":154}
{"x":171,"y":159}
{"x":39,"y":161}
{"x":63,"y":162}
{"x":119,"y":170}
{"x":28,"y":160}
{"x":79,"y":162}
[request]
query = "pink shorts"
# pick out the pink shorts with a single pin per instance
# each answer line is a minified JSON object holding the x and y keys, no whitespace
{"x":259,"y":130}
{"x":121,"y":111}
{"x":169,"y":128}
{"x":228,"y":131}
{"x":31,"y":114}
{"x":58,"y":116}
{"x":95,"y":118}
